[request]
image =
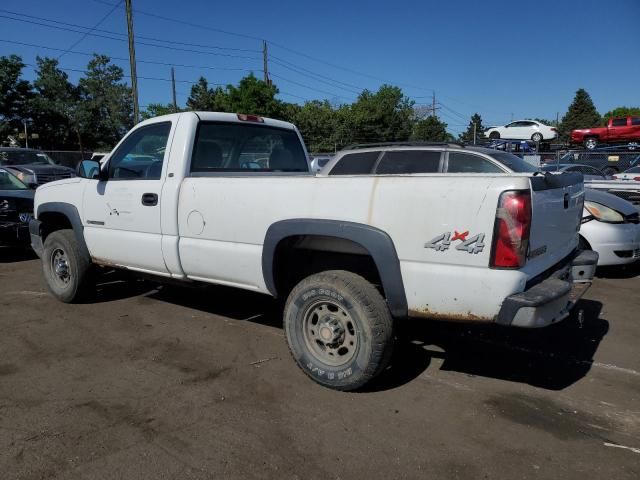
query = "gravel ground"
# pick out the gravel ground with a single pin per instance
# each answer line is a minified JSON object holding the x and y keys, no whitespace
{"x":167,"y":382}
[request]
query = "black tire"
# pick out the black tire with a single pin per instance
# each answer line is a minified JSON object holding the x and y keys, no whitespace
{"x":537,"y":137}
{"x":360,"y":312}
{"x":590,"y":143}
{"x":494,"y":135}
{"x":71,"y":281}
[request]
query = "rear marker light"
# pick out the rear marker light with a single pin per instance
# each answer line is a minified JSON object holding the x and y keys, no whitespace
{"x":511,"y":230}
{"x":250,"y":118}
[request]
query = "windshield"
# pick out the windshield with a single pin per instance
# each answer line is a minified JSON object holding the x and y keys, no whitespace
{"x":10,"y":182}
{"x":633,"y":170}
{"x":552,"y":167}
{"x":513,"y":163}
{"x":24,"y":157}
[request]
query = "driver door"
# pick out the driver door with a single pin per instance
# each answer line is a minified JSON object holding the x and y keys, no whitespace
{"x":122,"y":214}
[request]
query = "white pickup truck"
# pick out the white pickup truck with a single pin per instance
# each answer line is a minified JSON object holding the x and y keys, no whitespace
{"x":381,"y":234}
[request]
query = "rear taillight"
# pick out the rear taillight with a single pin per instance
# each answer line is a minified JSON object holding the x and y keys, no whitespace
{"x":554,"y":129}
{"x":511,"y":230}
{"x":615,"y":177}
{"x":637,"y":179}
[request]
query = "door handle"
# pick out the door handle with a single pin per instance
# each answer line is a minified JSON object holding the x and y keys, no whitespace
{"x":150,"y":199}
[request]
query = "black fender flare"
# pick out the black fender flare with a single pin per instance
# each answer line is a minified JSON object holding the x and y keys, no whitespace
{"x":377,"y":242}
{"x":71,"y":212}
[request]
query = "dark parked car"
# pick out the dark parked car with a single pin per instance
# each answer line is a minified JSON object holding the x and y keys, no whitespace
{"x":608,"y":161}
{"x":32,"y":167}
{"x":16,"y":209}
{"x":589,"y":173}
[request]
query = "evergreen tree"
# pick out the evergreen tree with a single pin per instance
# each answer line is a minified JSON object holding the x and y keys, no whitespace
{"x":105,"y":113}
{"x":431,"y":129}
{"x":582,"y":113}
{"x":54,"y":107}
{"x":475,"y":124}
{"x":15,"y":94}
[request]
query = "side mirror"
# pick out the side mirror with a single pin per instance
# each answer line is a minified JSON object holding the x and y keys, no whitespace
{"x":88,"y":169}
{"x":32,"y":186}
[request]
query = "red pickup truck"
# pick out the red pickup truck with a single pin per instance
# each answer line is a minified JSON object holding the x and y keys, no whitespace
{"x":617,"y":130}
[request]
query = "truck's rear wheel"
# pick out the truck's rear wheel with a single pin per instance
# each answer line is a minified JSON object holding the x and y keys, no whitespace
{"x":66,"y":270}
{"x":339,"y":329}
{"x":590,"y":143}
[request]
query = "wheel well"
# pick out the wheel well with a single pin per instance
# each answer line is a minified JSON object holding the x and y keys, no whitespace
{"x":584,"y":243}
{"x":52,"y":221}
{"x":299,"y":256}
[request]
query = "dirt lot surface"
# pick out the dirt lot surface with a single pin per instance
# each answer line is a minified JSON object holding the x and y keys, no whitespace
{"x":156,"y":382}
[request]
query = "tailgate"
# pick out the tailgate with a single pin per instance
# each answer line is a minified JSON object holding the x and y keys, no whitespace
{"x":556,"y":209}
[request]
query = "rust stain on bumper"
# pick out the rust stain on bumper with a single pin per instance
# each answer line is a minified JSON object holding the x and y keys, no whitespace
{"x":451,"y":317}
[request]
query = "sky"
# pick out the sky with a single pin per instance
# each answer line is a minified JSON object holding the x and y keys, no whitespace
{"x":505,"y":59}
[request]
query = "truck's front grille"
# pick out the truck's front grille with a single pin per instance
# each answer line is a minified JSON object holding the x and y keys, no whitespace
{"x":43,"y":178}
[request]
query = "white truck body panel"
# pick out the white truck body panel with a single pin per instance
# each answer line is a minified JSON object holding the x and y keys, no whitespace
{"x":212,"y":228}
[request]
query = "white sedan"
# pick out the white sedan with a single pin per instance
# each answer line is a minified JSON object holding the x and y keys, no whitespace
{"x":523,"y":130}
{"x":611,"y":227}
{"x":631,"y":174}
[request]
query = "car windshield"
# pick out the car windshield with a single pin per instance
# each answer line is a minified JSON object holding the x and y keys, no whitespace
{"x":513,"y":162}
{"x":551,"y":167}
{"x":633,"y":170}
{"x":10,"y":182}
{"x":24,"y":157}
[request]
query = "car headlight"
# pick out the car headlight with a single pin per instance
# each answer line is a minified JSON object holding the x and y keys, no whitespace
{"x":602,"y":213}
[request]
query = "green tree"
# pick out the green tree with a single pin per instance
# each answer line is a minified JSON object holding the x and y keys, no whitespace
{"x":475,"y":125}
{"x":383,"y":116}
{"x":582,"y":113}
{"x":15,"y":94}
{"x":54,"y":107}
{"x":106,"y":108}
{"x":254,"y":96}
{"x":431,"y":129}
{"x":205,"y":99}
{"x":621,"y":112}
{"x":157,"y":109}
{"x":318,"y":122}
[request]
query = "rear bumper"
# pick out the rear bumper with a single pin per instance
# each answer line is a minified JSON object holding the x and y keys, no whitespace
{"x":550,"y":300}
{"x":36,"y":239}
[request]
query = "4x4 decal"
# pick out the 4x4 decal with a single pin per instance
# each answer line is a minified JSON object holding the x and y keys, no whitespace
{"x":442,"y":242}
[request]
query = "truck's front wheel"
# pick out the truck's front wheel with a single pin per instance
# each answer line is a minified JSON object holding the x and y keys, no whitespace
{"x":66,"y":270}
{"x":339,"y":329}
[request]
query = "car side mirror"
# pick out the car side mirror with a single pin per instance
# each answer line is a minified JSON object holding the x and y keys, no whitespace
{"x":89,"y":169}
{"x":32,"y":186}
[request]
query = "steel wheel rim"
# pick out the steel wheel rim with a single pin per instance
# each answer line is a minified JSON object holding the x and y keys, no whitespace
{"x":537,"y":137}
{"x":591,"y":143}
{"x":60,"y":267}
{"x":330,"y":333}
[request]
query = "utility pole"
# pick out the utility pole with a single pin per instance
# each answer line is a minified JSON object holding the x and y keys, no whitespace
{"x":132,"y":62}
{"x":557,"y":118}
{"x":265,"y":62}
{"x":26,"y":135}
{"x":474,"y":133}
{"x":433,"y":104}
{"x":173,"y":89}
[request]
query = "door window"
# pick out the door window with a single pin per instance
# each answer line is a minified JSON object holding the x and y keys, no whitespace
{"x":355,"y":164}
{"x":409,"y":161}
{"x":635,"y":120}
{"x":460,"y":162}
{"x":141,"y":155}
{"x":619,"y":122}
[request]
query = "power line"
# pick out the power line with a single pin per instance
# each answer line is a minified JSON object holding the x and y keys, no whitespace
{"x":125,"y":40}
{"x":111,"y":32}
{"x":151,"y":62}
{"x":307,"y":86}
{"x":84,"y":35}
{"x":254,"y":37}
{"x":77,"y":70}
